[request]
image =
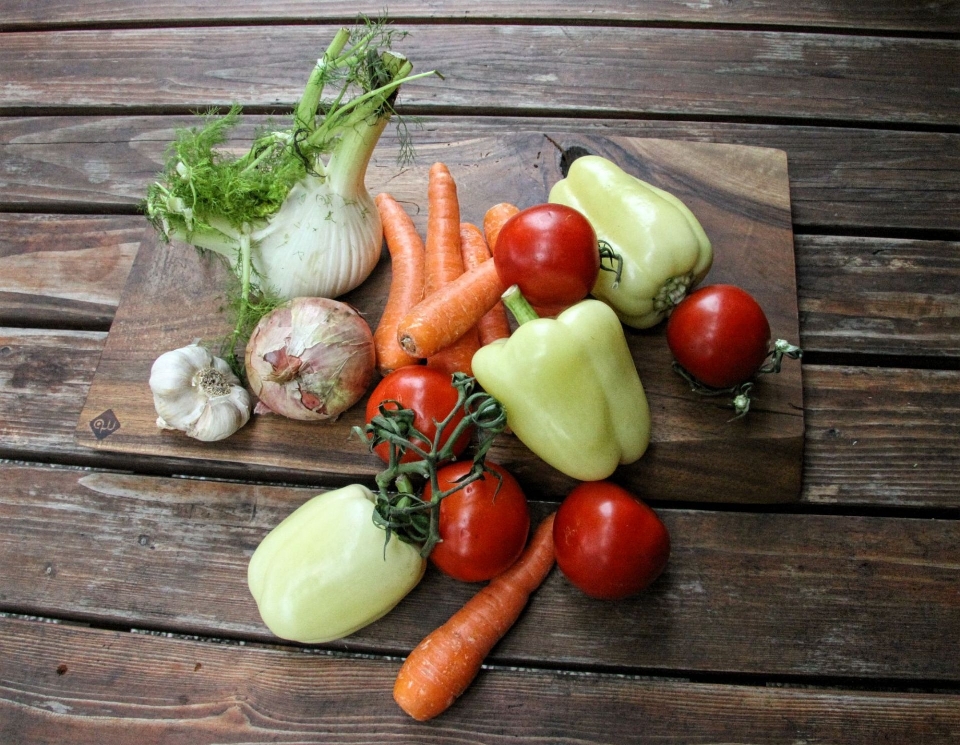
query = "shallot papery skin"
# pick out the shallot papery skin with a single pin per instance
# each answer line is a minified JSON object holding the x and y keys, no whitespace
{"x":310,"y":359}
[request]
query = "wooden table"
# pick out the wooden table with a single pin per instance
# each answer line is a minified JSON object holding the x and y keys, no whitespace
{"x":124,"y":613}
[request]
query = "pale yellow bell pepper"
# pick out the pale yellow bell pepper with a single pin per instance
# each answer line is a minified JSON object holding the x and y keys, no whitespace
{"x":327,"y":570}
{"x":570,"y":388}
{"x":664,"y":249}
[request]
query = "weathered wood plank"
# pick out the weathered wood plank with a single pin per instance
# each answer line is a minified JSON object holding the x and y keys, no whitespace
{"x":878,"y":296}
{"x":873,"y":437}
{"x":873,"y":432}
{"x":89,"y":687}
{"x":891,"y":15}
{"x":841,"y":179}
{"x":43,"y":376}
{"x":64,"y":271}
{"x":44,"y":379}
{"x":745,"y":593}
{"x":601,"y":70}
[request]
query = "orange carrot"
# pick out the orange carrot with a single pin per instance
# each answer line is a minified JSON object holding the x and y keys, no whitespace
{"x":444,"y":263}
{"x":494,"y":219}
{"x":439,"y":320}
{"x":457,"y":357}
{"x":445,"y":663}
{"x":473,"y":246}
{"x":406,"y":283}
{"x":443,"y":260}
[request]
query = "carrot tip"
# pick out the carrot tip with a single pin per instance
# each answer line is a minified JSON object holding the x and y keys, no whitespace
{"x":408,"y":344}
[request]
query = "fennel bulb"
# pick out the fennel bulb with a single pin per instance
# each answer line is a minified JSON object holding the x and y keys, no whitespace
{"x":292,"y":215}
{"x":320,"y":243}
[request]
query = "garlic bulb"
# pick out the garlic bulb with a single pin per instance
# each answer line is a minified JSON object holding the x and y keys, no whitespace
{"x":197,"y":393}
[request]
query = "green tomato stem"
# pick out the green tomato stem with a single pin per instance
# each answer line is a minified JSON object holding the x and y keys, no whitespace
{"x":740,"y":399}
{"x":401,"y":511}
{"x":781,"y":348}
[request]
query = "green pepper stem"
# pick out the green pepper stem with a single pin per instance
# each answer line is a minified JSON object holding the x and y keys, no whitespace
{"x":518,"y":305}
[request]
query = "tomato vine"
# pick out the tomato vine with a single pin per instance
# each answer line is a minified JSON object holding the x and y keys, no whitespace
{"x":399,"y":507}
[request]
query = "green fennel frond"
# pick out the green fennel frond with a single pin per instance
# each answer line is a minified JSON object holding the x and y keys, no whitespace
{"x":210,"y":196}
{"x":247,"y":312}
{"x":201,"y":180}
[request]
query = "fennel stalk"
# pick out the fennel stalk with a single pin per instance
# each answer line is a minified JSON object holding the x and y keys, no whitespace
{"x":292,"y":215}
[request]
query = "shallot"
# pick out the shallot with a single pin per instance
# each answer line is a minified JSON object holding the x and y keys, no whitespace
{"x":310,"y":359}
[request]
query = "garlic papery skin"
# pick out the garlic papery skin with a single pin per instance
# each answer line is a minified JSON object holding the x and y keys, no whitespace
{"x":198,"y":394}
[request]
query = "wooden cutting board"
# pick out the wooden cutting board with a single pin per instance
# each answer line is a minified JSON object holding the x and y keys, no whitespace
{"x":741,"y":196}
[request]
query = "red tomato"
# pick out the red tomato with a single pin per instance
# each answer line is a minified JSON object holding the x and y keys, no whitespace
{"x":550,"y":252}
{"x":430,"y":394}
{"x":483,"y":530}
{"x":609,"y":543}
{"x":720,"y":335}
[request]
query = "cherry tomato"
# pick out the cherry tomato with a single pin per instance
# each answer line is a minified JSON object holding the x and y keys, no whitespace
{"x":550,"y":252}
{"x":609,"y":543}
{"x":431,"y":396}
{"x":720,"y":335}
{"x":483,"y":526}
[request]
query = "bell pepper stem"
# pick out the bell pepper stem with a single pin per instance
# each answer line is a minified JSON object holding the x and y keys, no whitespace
{"x":518,"y":305}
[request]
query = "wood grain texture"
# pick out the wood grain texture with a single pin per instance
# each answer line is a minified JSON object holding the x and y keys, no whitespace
{"x":90,"y":687}
{"x":41,"y":377}
{"x":939,"y":17}
{"x":879,"y":296}
{"x":743,"y":593}
{"x":841,"y":179}
{"x":912,"y":417}
{"x":64,"y":271}
{"x":539,"y":69}
{"x":741,"y":197}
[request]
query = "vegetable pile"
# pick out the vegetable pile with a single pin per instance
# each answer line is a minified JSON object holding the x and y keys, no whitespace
{"x":292,"y":215}
{"x":514,"y":322}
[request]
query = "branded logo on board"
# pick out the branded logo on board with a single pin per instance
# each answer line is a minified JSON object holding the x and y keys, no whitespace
{"x":105,"y":425}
